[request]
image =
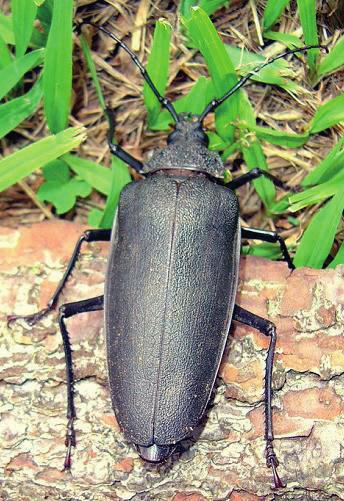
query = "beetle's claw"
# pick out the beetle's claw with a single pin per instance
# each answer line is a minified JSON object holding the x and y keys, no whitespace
{"x":272,"y":462}
{"x":69,"y":442}
{"x":29,"y":319}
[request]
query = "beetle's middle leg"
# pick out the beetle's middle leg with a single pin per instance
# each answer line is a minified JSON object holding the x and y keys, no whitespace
{"x":87,"y":236}
{"x":255,"y":174}
{"x":268,"y":236}
{"x":68,"y":310}
{"x":269,"y":329}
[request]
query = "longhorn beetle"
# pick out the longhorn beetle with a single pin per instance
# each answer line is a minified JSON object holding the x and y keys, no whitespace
{"x":170,"y":286}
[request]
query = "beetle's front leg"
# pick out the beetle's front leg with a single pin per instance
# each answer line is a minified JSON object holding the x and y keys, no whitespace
{"x":68,"y":310}
{"x":269,"y":329}
{"x":87,"y":236}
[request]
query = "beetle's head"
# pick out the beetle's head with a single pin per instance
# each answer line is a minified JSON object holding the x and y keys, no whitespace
{"x":188,"y":130}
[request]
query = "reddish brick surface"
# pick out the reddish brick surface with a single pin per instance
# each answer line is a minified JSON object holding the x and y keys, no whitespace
{"x":226,"y":457}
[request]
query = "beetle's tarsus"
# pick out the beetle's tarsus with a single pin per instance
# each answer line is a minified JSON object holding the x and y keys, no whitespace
{"x":272,"y":462}
{"x":29,"y":319}
{"x":69,"y":442}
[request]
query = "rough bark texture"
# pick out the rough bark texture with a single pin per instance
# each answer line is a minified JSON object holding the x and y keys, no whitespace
{"x":225,"y":458}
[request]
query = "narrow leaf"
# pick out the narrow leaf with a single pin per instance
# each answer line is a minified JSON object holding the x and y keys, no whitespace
{"x":157,"y":68}
{"x":220,"y":66}
{"x":58,"y":67}
{"x":5,"y":54}
{"x":317,"y":193}
{"x":23,"y":16}
{"x":209,"y":6}
{"x":307,"y":11}
{"x":286,"y":38}
{"x":329,"y":114}
{"x":318,"y":238}
{"x":12,"y":74}
{"x":15,"y":111}
{"x":6,"y":28}
{"x":272,"y":12}
{"x":20,"y":164}
{"x":91,"y":66}
{"x":328,"y":167}
{"x":339,"y":257}
{"x":279,"y":137}
{"x":333,"y":60}
{"x":120,"y":178}
{"x":96,"y":175}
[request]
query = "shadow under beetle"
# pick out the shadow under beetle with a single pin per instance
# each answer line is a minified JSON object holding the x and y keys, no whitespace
{"x":170,"y":287}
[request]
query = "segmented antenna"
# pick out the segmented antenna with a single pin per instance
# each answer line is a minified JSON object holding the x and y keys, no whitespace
{"x":164,"y":101}
{"x":216,"y":102}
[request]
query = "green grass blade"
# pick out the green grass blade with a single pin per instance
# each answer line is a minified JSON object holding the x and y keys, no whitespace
{"x":328,"y":167}
{"x":13,"y":73}
{"x":94,"y":174}
{"x":269,"y":251}
{"x":333,"y":60}
{"x":287,"y":39}
{"x":6,"y":28}
{"x":339,"y":257}
{"x":329,"y":114}
{"x":220,"y":66}
{"x":272,"y":12}
{"x":253,"y":152}
{"x":92,"y":68}
{"x":157,"y":68}
{"x":20,"y":164}
{"x":23,"y":16}
{"x":57,"y":77}
{"x":317,"y":193}
{"x":15,"y":111}
{"x":5,"y":54}
{"x":120,"y":178}
{"x":274,"y":74}
{"x":307,"y":12}
{"x":209,"y":6}
{"x":318,"y":238}
{"x":278,"y":137}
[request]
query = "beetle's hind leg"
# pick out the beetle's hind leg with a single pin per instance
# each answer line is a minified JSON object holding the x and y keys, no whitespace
{"x":269,"y":329}
{"x":68,"y":310}
{"x":87,"y":236}
{"x":268,"y":236}
{"x":255,"y":174}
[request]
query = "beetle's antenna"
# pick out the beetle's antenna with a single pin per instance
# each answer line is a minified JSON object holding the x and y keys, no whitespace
{"x":165,"y":102}
{"x":216,"y":102}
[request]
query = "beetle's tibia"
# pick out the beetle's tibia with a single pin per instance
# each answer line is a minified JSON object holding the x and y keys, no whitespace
{"x":272,"y":462}
{"x":155,"y":453}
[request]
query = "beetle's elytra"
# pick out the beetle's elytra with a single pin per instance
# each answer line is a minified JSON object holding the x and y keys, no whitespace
{"x":170,"y":288}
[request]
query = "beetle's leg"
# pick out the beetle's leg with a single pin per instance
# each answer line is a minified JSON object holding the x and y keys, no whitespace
{"x":254,"y":174}
{"x":116,"y":149}
{"x":269,"y":329}
{"x":68,"y":310}
{"x":87,"y":236}
{"x":268,"y":236}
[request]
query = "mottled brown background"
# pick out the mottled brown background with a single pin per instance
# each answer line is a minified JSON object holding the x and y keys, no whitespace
{"x":226,"y":457}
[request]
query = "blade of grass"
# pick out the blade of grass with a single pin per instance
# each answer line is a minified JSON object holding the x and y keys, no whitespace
{"x":287,"y":39}
{"x":339,"y":257}
{"x":317,"y":193}
{"x":209,"y":6}
{"x":120,"y":178}
{"x":278,"y":137}
{"x":20,"y":164}
{"x":12,"y":74}
{"x":6,"y":28}
{"x":157,"y":68}
{"x":272,"y":12}
{"x":23,"y":16}
{"x":253,"y":153}
{"x":94,"y":174}
{"x":328,"y":167}
{"x":269,"y":251}
{"x":15,"y":111}
{"x":221,"y":69}
{"x":307,"y":12}
{"x":92,"y":68}
{"x":5,"y":54}
{"x":57,"y":78}
{"x":329,"y":114}
{"x":333,"y":60}
{"x":317,"y":240}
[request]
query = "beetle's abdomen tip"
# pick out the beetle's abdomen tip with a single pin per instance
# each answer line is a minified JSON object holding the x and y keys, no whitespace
{"x":155,"y":453}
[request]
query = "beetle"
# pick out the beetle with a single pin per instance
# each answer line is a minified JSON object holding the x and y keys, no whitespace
{"x":170,"y":287}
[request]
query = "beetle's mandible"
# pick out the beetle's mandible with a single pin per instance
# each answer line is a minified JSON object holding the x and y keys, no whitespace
{"x":170,"y":287}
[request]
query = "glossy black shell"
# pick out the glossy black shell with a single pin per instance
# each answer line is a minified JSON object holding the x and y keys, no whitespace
{"x":169,"y":298}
